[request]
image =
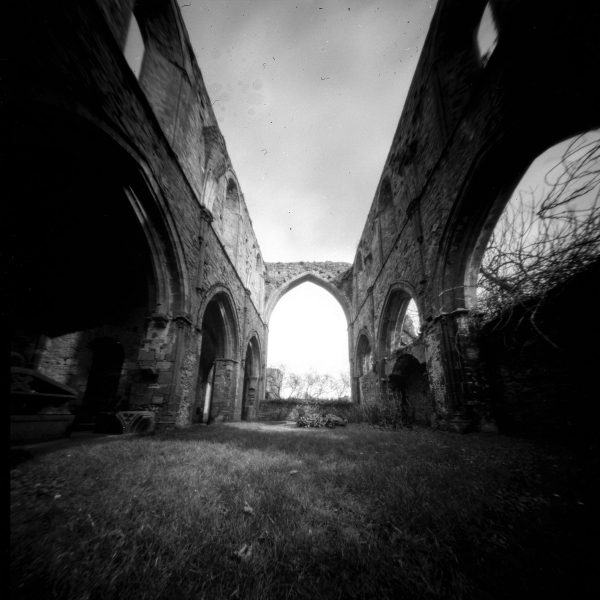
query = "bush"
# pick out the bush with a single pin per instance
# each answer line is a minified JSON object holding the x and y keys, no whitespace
{"x":314,"y":419}
{"x":388,"y":416}
{"x":311,"y":420}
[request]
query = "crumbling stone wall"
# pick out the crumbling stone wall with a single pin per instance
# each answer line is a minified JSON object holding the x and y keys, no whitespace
{"x":468,"y":131}
{"x":156,"y":140}
{"x":147,"y":153}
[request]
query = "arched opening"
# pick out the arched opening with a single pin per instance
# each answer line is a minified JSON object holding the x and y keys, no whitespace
{"x":229,"y":226}
{"x":409,"y":386}
{"x":308,"y":340}
{"x":134,"y":48}
{"x":485,"y":194}
{"x":363,"y":365}
{"x":215,"y":389}
{"x":251,"y":380}
{"x":232,"y":197}
{"x":540,"y":255}
{"x":487,"y":35}
{"x":84,"y":268}
{"x":387,"y":215}
{"x":364,"y":356}
{"x":400,"y":326}
{"x":547,"y":232}
{"x":401,"y":369}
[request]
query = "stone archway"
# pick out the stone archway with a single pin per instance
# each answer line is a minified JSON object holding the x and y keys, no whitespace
{"x":336,"y":278}
{"x":398,"y":340}
{"x":94,"y":259}
{"x":483,"y":197}
{"x":409,"y":384}
{"x":252,"y":371}
{"x":395,"y":330}
{"x":218,"y":364}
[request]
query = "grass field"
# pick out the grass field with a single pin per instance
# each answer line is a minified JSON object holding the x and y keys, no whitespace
{"x":272,"y":511}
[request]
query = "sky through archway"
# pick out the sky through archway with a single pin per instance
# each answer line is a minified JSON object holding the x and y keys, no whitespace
{"x":308,"y":332}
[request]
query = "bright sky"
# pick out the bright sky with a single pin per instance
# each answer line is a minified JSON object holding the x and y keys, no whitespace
{"x":308,"y":95}
{"x":308,"y":331}
{"x":548,"y":166}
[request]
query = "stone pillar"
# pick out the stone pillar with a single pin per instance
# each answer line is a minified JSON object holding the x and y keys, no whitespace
{"x":225,"y":389}
{"x":185,"y":371}
{"x":238,"y":399}
{"x":354,"y":396}
{"x":180,"y":334}
{"x":150,"y":382}
{"x":251,"y":397}
{"x":263,"y":369}
{"x":454,"y":374}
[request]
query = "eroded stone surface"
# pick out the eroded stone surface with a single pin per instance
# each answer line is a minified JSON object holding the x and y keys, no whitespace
{"x":136,"y":276}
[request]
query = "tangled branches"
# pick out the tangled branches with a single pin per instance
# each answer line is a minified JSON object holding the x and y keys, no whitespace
{"x":542,"y":240}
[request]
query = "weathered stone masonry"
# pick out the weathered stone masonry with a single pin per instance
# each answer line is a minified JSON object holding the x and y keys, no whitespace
{"x":128,"y":220}
{"x":135,"y":276}
{"x":468,"y":131}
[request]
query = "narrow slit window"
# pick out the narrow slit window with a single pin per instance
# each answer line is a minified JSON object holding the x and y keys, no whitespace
{"x":134,"y":47}
{"x":487,"y":35}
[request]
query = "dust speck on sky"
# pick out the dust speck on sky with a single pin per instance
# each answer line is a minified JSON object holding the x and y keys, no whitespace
{"x":308,"y":96}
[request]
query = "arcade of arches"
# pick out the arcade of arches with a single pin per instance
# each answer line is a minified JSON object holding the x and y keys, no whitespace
{"x":136,"y":279}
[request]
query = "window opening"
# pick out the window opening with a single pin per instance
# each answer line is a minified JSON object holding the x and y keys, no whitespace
{"x":134,"y":47}
{"x":487,"y":35}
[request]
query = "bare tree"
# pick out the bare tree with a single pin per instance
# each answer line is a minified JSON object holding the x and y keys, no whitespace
{"x":341,"y":384}
{"x":313,"y":385}
{"x":290,"y":382}
{"x":541,"y":240}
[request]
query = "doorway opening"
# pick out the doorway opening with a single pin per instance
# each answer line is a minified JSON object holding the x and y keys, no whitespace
{"x":308,"y":342}
{"x":251,"y":380}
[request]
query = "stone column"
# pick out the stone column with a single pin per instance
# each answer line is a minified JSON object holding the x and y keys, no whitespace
{"x":183,"y":371}
{"x":354,"y":396}
{"x":150,"y":386}
{"x":224,"y":389}
{"x":452,"y":364}
{"x":263,"y":369}
{"x":251,"y":396}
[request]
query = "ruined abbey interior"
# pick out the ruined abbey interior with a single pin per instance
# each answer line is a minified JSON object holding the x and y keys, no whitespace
{"x":136,"y":279}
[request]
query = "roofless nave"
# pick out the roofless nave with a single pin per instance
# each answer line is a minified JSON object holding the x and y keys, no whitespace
{"x":136,"y":278}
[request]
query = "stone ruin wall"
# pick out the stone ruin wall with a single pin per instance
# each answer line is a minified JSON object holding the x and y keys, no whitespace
{"x":439,"y":184}
{"x":463,"y":120}
{"x":165,"y":122}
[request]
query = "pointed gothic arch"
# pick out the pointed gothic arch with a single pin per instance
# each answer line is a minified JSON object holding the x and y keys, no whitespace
{"x":307,"y":277}
{"x":252,"y":378}
{"x":391,"y":332}
{"x":219,"y":357}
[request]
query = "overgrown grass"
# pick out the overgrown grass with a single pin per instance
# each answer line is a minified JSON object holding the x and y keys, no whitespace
{"x":344,"y":513}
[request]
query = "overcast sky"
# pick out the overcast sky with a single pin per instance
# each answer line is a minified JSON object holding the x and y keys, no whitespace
{"x":308,"y":95}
